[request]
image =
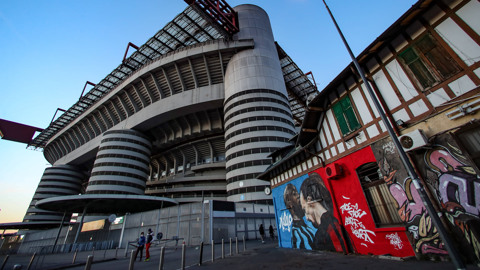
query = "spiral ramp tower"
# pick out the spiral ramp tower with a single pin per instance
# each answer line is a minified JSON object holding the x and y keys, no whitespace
{"x":59,"y":180}
{"x":258,"y":119}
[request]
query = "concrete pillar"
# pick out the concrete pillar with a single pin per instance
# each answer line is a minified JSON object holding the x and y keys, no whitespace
{"x":122,"y":163}
{"x":258,"y":119}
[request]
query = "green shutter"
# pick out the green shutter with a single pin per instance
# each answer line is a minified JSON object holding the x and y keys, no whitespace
{"x":338,"y":111}
{"x":347,"y":120}
{"x":350,"y":114}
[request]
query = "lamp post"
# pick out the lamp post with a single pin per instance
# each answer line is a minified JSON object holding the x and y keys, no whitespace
{"x":403,"y":156}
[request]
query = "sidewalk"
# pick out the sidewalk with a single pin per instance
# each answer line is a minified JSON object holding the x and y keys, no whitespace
{"x":269,"y":256}
{"x":256,"y":256}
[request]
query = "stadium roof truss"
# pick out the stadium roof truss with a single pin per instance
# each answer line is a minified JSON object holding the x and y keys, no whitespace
{"x":201,"y":21}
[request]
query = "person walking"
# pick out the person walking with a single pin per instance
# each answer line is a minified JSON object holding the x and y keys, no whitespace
{"x":262,"y":233}
{"x":270,"y":230}
{"x":141,"y":244}
{"x":148,"y":244}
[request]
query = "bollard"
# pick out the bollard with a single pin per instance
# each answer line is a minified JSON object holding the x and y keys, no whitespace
{"x":223,"y":249}
{"x":5,"y":262}
{"x":116,"y":250}
{"x":230,"y":246}
{"x":132,"y":260}
{"x":244,"y":244}
{"x":201,"y":254}
{"x":183,"y":257}
{"x":88,"y":265}
{"x":162,"y":257}
{"x":93,"y":252}
{"x":236,"y":245}
{"x":74,"y":256}
{"x":105,"y":254}
{"x":213,"y":251}
{"x":31,"y":260}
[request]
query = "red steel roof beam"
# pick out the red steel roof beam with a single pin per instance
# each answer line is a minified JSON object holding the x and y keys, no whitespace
{"x":220,"y":12}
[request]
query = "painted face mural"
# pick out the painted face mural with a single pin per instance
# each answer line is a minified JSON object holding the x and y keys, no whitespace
{"x":458,"y":191}
{"x":295,"y":231}
{"x":305,"y":217}
{"x":302,"y":235}
{"x":317,"y":204}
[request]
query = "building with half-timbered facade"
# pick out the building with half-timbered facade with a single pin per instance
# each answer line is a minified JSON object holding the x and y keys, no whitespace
{"x":345,"y":172}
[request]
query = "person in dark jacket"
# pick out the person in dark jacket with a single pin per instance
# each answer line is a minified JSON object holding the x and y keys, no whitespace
{"x":141,"y":244}
{"x":262,"y":232}
{"x":270,"y":231}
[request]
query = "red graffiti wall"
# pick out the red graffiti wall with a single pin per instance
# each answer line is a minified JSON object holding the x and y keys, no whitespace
{"x":352,"y":211}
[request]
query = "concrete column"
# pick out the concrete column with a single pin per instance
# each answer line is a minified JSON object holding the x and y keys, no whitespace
{"x":258,"y":119}
{"x":122,"y":163}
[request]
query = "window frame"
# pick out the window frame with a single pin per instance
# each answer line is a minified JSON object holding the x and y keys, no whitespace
{"x":390,"y":215}
{"x":434,"y":62}
{"x":346,"y":116}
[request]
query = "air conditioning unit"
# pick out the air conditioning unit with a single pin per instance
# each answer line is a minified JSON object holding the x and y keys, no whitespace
{"x":334,"y":171}
{"x":413,"y":140}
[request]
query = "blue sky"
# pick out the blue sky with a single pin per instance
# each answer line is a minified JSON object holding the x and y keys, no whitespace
{"x":50,"y":48}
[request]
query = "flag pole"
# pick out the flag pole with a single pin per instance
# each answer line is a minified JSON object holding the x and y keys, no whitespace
{"x":403,"y":156}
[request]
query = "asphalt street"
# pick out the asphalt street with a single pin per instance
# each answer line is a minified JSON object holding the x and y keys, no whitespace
{"x":255,"y":256}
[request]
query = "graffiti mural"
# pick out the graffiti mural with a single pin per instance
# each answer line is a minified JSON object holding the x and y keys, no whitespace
{"x":412,"y":212}
{"x":458,"y":190}
{"x":314,"y":212}
{"x":305,"y":217}
{"x":454,"y":186}
{"x":317,"y":203}
{"x":302,"y":234}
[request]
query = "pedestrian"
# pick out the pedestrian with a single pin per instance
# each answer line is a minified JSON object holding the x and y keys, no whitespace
{"x":148,"y":244}
{"x":140,"y":245}
{"x":262,"y":233}
{"x":270,"y":230}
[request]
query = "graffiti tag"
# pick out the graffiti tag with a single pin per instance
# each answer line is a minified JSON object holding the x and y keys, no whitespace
{"x":286,"y":222}
{"x":395,"y":240}
{"x":353,"y":210}
{"x":389,"y":148}
{"x":357,"y":227}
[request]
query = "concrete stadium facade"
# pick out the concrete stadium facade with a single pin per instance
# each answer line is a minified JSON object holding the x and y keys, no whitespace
{"x":196,"y":122}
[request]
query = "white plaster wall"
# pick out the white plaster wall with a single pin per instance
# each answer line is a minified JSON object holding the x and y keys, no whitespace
{"x":403,"y":83}
{"x":386,"y":90}
{"x":362,"y":108}
{"x":462,"y":85}
{"x":469,"y":13}
{"x":438,"y":97}
{"x":465,"y":47}
{"x":333,"y":125}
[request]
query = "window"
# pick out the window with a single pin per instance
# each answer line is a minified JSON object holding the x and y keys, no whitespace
{"x":428,"y":62}
{"x":346,"y":118}
{"x":380,"y":201}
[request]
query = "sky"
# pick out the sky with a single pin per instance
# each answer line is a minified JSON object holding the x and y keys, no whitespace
{"x":50,"y":48}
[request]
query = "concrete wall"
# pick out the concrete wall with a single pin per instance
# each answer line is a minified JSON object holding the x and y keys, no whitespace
{"x":184,"y":221}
